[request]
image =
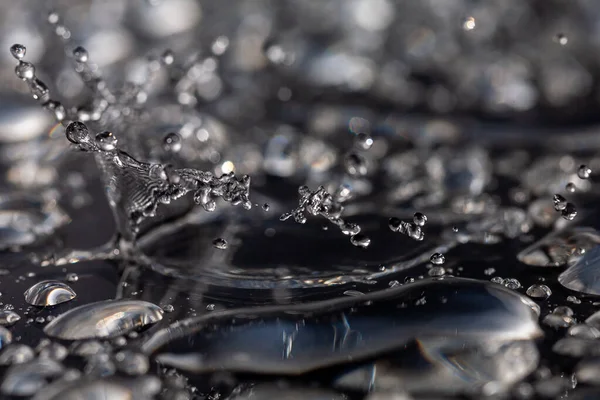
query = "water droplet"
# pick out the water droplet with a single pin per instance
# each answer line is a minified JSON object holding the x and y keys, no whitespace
{"x":72,"y":277}
{"x":168,"y":308}
{"x":469,"y":24}
{"x":512,"y":283}
{"x":363,"y":141}
{"x":29,"y":378}
{"x":220,"y":243}
{"x":266,"y":207}
{"x":104,"y":319}
{"x":420,"y":219}
{"x":18,"y":51}
{"x":570,"y":187}
{"x":436,"y":271}
{"x":55,"y":351}
{"x":584,"y":172}
{"x":560,"y":203}
{"x":172,"y":143}
{"x":8,"y":317}
{"x":394,"y":224}
{"x":25,"y":70}
{"x":561,"y":39}
{"x":168,"y":58}
{"x":80,"y":54}
{"x":573,"y":299}
{"x":16,"y":354}
{"x":49,"y":293}
{"x":437,"y":259}
{"x":106,"y":141}
{"x":538,"y":291}
{"x":455,"y":229}
{"x":77,"y":132}
{"x":132,"y":363}
{"x":360,"y":240}
{"x":569,"y":213}
{"x":355,"y":164}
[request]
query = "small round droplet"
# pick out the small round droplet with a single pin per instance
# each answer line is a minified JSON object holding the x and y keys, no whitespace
{"x":77,"y":132}
{"x":49,"y":293}
{"x":132,"y":363}
{"x":455,"y":229}
{"x":220,"y":243}
{"x":168,"y":57}
{"x":561,"y":39}
{"x":570,"y":187}
{"x":106,"y":141}
{"x":538,"y":291}
{"x":436,"y":271}
{"x":569,"y":213}
{"x":360,"y":240}
{"x":363,"y":141}
{"x":584,"y":172}
{"x":72,"y":277}
{"x":80,"y":54}
{"x":559,"y":202}
{"x":469,"y":24}
{"x":53,"y":18}
{"x":25,"y":70}
{"x":394,"y":224}
{"x":512,"y":283}
{"x":355,"y":164}
{"x":437,"y":259}
{"x":18,"y":51}
{"x":172,"y":143}
{"x":210,"y":307}
{"x":420,"y":219}
{"x":168,"y":308}
{"x":266,"y":207}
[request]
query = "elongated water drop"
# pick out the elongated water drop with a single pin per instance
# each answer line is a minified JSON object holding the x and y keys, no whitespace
{"x":107,"y":141}
{"x":104,"y":319}
{"x":360,"y":240}
{"x":49,"y":293}
{"x":18,"y":51}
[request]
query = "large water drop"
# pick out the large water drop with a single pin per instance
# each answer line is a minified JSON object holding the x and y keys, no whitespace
{"x":49,"y":293}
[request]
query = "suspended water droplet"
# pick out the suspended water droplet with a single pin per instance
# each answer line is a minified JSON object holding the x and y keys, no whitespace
{"x":8,"y":317}
{"x":104,"y":319}
{"x":420,"y":219}
{"x":77,"y":132}
{"x":106,"y":141}
{"x":132,"y":363}
{"x":436,"y":271}
{"x":570,"y":187}
{"x":18,"y":51}
{"x":469,"y":24}
{"x":168,"y":58}
{"x":360,"y":240}
{"x":172,"y":143}
{"x":16,"y":354}
{"x":266,"y":207}
{"x":168,"y":308}
{"x":560,"y":203}
{"x":394,"y":224}
{"x":80,"y":54}
{"x":538,"y":291}
{"x":584,"y":172}
{"x":363,"y":141}
{"x":72,"y":277}
{"x":355,"y":164}
{"x":561,"y":39}
{"x":49,"y":293}
{"x":25,"y":71}
{"x":570,"y":212}
{"x":437,"y":259}
{"x":220,"y":243}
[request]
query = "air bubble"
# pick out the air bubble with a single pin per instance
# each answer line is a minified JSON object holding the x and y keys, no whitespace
{"x":168,"y":57}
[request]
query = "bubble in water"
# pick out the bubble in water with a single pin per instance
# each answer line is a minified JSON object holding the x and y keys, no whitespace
{"x":355,"y":164}
{"x":80,"y":54}
{"x":559,"y":202}
{"x":72,"y":277}
{"x":569,"y":213}
{"x":18,"y":51}
{"x":561,"y":39}
{"x":16,"y":354}
{"x":420,"y":219}
{"x":106,"y":141}
{"x":49,"y":293}
{"x":360,"y":240}
{"x":104,"y":319}
{"x":584,"y":172}
{"x":538,"y":291}
{"x":437,"y":259}
{"x":220,"y":243}
{"x":570,"y":187}
{"x":363,"y":141}
{"x":8,"y":317}
{"x":172,"y":143}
